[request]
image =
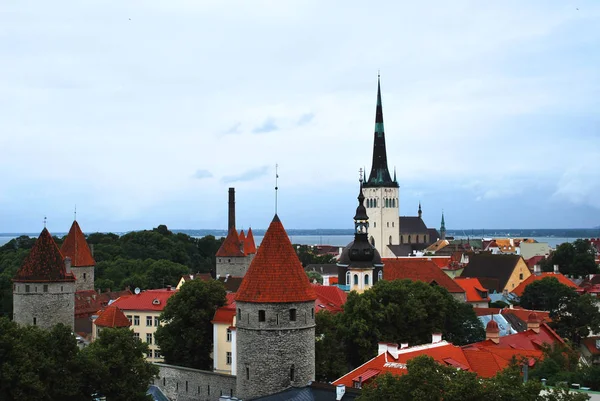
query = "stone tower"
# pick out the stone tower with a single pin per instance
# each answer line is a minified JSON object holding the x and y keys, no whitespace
{"x":275,"y":320}
{"x":360,"y":263}
{"x":82,"y":262}
{"x":382,"y":192}
{"x":44,"y":287}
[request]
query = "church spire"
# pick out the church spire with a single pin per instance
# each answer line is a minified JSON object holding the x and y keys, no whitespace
{"x":443,"y":227}
{"x":420,"y":210}
{"x":380,"y":175}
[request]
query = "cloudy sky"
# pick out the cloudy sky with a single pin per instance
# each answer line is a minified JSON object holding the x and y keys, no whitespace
{"x":145,"y":112}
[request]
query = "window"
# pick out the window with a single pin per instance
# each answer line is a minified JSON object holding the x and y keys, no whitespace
{"x":186,"y":386}
{"x":136,"y":335}
{"x":61,"y":288}
{"x":392,"y":224}
{"x":97,"y":331}
{"x":247,"y":373}
{"x":157,"y":354}
{"x":45,"y":287}
{"x":149,"y":338}
{"x":239,"y":313}
{"x":129,"y":317}
{"x":312,"y":313}
{"x":26,"y":287}
{"x":35,"y":288}
{"x":348,"y":278}
{"x":149,"y":321}
{"x":409,"y":239}
{"x":520,"y":276}
{"x":292,"y":373}
{"x":261,"y":315}
{"x":292,"y":315}
{"x":84,"y":276}
{"x":208,"y":389}
{"x":356,"y":279}
{"x":228,"y":335}
{"x":390,"y":240}
{"x":156,"y":321}
{"x":164,"y":381}
{"x":228,"y":358}
{"x":380,"y":275}
{"x":34,"y":321}
{"x":136,"y":320}
{"x":366,"y":279}
{"x":374,"y":224}
{"x":388,"y":224}
{"x":228,"y":260}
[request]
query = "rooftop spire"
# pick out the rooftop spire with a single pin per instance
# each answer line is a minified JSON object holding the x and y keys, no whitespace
{"x":380,"y":175}
{"x":443,"y":227}
{"x":420,"y":210}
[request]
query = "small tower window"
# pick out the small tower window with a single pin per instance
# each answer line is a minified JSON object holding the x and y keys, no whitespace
{"x":292,"y":373}
{"x":380,"y":275}
{"x":348,"y":278}
{"x":366,"y":279}
{"x":374,"y":224}
{"x":356,"y":279}
{"x":247,"y":373}
{"x":35,"y":321}
{"x":26,"y":287}
{"x":292,"y":315}
{"x":388,"y":224}
{"x":45,"y":287}
{"x":312,"y":313}
{"x":409,"y":239}
{"x":84,"y":276}
{"x":239,"y":313}
{"x":261,"y":315}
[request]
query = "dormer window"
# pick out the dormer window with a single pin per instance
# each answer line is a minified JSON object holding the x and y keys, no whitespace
{"x":156,"y":301}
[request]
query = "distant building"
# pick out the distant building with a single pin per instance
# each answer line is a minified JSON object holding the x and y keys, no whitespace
{"x":82,"y":261}
{"x":111,"y":317}
{"x":497,"y":273}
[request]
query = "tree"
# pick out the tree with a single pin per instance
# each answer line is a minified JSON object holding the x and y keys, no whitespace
{"x":115,"y":366}
{"x":547,"y":294}
{"x":315,"y":276}
{"x":577,"y":319}
{"x":187,"y":337}
{"x":330,"y":361}
{"x":164,"y":272}
{"x":575,"y":258}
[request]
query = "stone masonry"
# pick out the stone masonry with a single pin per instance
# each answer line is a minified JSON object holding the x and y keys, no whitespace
{"x":84,"y":278}
{"x":276,"y":353}
{"x":44,"y":304}
{"x":186,"y":384}
{"x":235,"y":266}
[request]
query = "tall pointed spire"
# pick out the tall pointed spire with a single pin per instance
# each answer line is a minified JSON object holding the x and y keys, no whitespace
{"x":420,"y":210}
{"x":443,"y":227}
{"x":380,"y":175}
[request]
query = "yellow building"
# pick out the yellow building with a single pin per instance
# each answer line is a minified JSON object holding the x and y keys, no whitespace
{"x":143,"y":311}
{"x":497,"y":273}
{"x":224,"y":338}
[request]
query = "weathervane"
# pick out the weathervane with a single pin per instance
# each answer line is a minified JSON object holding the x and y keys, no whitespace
{"x":75,"y":213}
{"x":45,"y":219}
{"x":276,"y":187}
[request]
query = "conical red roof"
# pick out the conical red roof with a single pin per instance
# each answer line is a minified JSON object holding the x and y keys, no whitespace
{"x":231,"y":246}
{"x":44,"y":262}
{"x":75,"y":246}
{"x":249,"y":244}
{"x":112,"y":317}
{"x":242,"y":239}
{"x":275,"y":274}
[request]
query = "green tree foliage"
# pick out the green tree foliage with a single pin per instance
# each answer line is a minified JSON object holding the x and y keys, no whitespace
{"x":547,"y":294}
{"x":187,"y":337}
{"x":307,"y":256}
{"x":575,"y":258}
{"x":404,"y":311}
{"x":48,"y":365}
{"x":329,"y":350}
{"x":315,"y":276}
{"x":426,"y":380}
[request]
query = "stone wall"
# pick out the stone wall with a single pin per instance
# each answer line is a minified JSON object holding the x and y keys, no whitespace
{"x":48,"y":303}
{"x":84,"y":278}
{"x":186,"y":384}
{"x":276,"y":353}
{"x":235,"y":266}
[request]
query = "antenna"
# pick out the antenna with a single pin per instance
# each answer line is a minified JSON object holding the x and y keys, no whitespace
{"x":75,"y":213}
{"x":276,"y":187}
{"x":360,"y":174}
{"x":45,"y":220}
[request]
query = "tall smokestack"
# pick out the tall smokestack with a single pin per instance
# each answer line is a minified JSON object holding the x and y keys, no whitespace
{"x":231,"y":222}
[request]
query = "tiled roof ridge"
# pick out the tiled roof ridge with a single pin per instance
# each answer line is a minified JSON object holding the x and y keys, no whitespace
{"x":231,"y":246}
{"x":76,"y":247}
{"x":275,"y":274}
{"x":249,"y":244}
{"x":45,"y":262}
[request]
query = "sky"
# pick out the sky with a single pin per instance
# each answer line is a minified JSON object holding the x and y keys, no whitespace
{"x":143,"y":113}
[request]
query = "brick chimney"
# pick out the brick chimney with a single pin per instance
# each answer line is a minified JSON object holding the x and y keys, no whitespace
{"x":492,"y":332}
{"x":537,"y":270}
{"x":533,"y":322}
{"x":231,"y":221}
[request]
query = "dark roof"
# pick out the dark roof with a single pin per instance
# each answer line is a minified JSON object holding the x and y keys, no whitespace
{"x":433,"y":235}
{"x":499,"y":267}
{"x":401,"y":250}
{"x":412,"y":225}
{"x":231,"y":283}
{"x":360,"y":254}
{"x":312,"y":392}
{"x":328,"y":269}
{"x":419,"y":270}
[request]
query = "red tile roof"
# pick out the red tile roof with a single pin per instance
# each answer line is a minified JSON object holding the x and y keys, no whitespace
{"x":149,"y":300}
{"x":75,"y":246}
{"x":250,"y":245}
{"x":525,"y":340}
{"x":242,"y":238}
{"x":44,"y":263}
{"x":226,"y":313}
{"x":330,"y":298}
{"x":590,"y":344}
{"x":231,"y":246}
{"x":440,"y":261}
{"x":473,"y":289}
{"x":112,"y":316}
{"x":534,"y":260}
{"x":418,"y":270}
{"x":89,"y":302}
{"x":562,"y":279}
{"x":275,"y":274}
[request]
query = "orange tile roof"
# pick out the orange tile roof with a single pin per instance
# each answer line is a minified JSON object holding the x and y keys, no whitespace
{"x":231,"y":246}
{"x":149,"y":300}
{"x":242,"y":238}
{"x":590,"y":344}
{"x":44,"y":263}
{"x":473,"y":289}
{"x":112,"y":316}
{"x":440,"y":261}
{"x":525,"y":340}
{"x":418,"y":270}
{"x":330,"y":298}
{"x":226,"y":313}
{"x":250,"y":245}
{"x":561,"y":279}
{"x":275,"y":274}
{"x":75,"y":246}
{"x":88,"y":302}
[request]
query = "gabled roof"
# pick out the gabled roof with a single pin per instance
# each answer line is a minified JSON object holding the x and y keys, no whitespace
{"x":231,"y":247}
{"x":76,"y":247}
{"x":330,"y":298}
{"x":440,"y":261}
{"x":44,"y":263}
{"x":249,"y":244}
{"x":88,"y":302}
{"x":112,"y":316}
{"x":525,"y":340}
{"x":434,"y":235}
{"x":473,"y":289}
{"x":412,"y":225}
{"x":534,"y":277}
{"x":226,"y":313}
{"x":437,"y":245}
{"x":534,"y":260}
{"x":275,"y":274}
{"x":418,"y":270}
{"x":149,"y":300}
{"x":324,"y":269}
{"x":231,"y":284}
{"x":499,"y":267}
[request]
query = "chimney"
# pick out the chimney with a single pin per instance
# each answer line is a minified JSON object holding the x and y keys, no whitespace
{"x":492,"y":332}
{"x":436,"y":338}
{"x":168,"y":288}
{"x":537,"y":270}
{"x":340,"y":390}
{"x":533,"y":322}
{"x":231,"y":222}
{"x":68,"y":264}
{"x":403,"y":345}
{"x":393,"y":349}
{"x":381,"y":348}
{"x":556,"y":271}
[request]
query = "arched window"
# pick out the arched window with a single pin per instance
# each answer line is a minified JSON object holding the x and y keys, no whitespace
{"x":372,"y":241}
{"x":380,"y":275}
{"x":366,"y":279}
{"x":402,"y":239}
{"x":375,"y":202}
{"x":374,"y":224}
{"x":409,"y":239}
{"x":356,"y":279}
{"x":348,"y":278}
{"x":390,"y":240}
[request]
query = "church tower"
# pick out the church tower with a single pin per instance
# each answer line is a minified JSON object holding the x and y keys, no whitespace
{"x":44,"y":287}
{"x":381,"y":191}
{"x":275,"y":320}
{"x":443,"y":228}
{"x":360,"y":263}
{"x":82,"y":262}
